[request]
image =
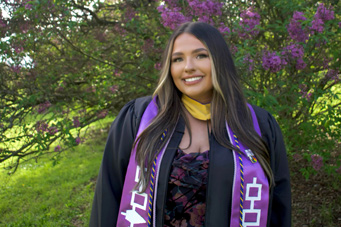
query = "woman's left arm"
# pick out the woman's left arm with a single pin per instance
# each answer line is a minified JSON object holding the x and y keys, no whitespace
{"x":281,"y":195}
{"x":280,"y":198}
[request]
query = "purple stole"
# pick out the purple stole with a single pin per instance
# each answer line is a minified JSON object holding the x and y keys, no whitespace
{"x":250,"y":196}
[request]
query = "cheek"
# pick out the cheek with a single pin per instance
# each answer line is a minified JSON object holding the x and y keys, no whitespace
{"x":173,"y":71}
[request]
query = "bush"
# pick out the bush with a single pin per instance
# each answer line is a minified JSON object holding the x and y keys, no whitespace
{"x":67,"y":64}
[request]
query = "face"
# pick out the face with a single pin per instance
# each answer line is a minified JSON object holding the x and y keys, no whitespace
{"x":191,"y":68}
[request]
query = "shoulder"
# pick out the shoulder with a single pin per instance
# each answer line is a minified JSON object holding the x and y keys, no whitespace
{"x":135,"y":107}
{"x":262,"y":114}
{"x":269,"y":127}
{"x":266,"y":121}
{"x":140,"y":104}
{"x":131,"y":113}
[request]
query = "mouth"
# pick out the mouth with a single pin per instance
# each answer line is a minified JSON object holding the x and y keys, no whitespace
{"x":193,"y":79}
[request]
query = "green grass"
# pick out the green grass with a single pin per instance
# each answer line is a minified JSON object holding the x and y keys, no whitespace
{"x":43,"y":194}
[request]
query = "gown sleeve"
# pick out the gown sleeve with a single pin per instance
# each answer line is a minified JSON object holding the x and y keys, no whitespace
{"x":280,"y":200}
{"x":112,"y":172}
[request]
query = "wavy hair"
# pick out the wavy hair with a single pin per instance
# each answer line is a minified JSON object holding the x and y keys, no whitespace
{"x":228,"y":104}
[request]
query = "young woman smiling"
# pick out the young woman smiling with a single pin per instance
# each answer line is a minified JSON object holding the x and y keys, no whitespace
{"x":195,"y":153}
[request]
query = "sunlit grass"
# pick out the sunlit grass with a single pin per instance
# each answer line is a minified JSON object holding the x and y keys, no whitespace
{"x":44,"y":194}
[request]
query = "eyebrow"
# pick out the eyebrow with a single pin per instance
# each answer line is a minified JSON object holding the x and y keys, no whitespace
{"x":193,"y":52}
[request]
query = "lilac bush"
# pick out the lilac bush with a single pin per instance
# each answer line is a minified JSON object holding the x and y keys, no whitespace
{"x":66,"y":65}
{"x":283,"y":62}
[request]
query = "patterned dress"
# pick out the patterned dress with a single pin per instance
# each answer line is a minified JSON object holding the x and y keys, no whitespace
{"x":186,"y":198}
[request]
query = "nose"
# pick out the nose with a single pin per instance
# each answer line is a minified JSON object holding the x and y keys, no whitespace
{"x":189,"y":67}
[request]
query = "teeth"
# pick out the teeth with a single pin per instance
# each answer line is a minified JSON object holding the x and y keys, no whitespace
{"x":193,"y":79}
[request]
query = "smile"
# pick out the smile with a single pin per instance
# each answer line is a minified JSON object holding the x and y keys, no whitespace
{"x":193,"y":79}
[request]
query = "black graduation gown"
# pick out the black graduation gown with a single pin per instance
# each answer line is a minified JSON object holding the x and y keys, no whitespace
{"x":219,"y":191}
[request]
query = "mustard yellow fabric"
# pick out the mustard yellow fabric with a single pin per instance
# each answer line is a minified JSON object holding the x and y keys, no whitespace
{"x":196,"y":109}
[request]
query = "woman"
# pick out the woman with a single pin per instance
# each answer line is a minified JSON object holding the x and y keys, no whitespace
{"x":208,"y":158}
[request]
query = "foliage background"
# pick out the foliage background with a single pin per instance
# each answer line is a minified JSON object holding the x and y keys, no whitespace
{"x":65,"y":65}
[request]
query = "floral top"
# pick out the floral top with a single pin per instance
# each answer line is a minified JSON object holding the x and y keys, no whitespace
{"x":186,"y":197}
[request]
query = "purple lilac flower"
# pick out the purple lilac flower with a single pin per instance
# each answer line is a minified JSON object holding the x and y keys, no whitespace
{"x":16,"y":68}
{"x":18,"y":49}
{"x":249,"y":61}
{"x":300,"y":64}
{"x":299,"y":16}
{"x":157,"y":66}
{"x":204,"y":10}
{"x":294,"y":50}
{"x":78,"y":140}
{"x":113,"y":88}
{"x":295,"y":28}
{"x":130,"y":14}
{"x":296,"y":32}
{"x":233,"y":49}
{"x":2,"y":25}
{"x":297,"y":157}
{"x":304,"y":92}
{"x":308,"y":96}
{"x":332,"y":75}
{"x":57,"y":148}
{"x":323,"y":13}
{"x":317,"y":161}
{"x":272,"y":62}
{"x":43,"y":107}
{"x":248,"y":23}
{"x":76,"y":122}
{"x":66,"y":111}
{"x":172,"y":18}
{"x":317,"y":25}
{"x":321,"y":16}
{"x":206,"y":19}
{"x":223,"y":29}
{"x":52,"y":130}
{"x":118,"y":73}
{"x":102,"y":114}
{"x":325,"y":62}
{"x":28,"y":6}
{"x":303,"y":87}
{"x":120,"y":30}
{"x":41,"y":126}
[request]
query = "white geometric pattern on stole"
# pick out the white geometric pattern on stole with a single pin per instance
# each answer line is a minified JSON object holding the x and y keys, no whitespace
{"x":252,"y":200}
{"x":131,"y":215}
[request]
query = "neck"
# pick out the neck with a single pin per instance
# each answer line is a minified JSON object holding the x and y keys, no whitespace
{"x":196,"y":109}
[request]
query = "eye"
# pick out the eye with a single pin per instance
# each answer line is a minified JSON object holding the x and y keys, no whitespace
{"x":200,"y":56}
{"x":176,"y":59}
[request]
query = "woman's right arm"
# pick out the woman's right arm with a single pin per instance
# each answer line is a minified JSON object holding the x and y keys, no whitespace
{"x":113,"y":168}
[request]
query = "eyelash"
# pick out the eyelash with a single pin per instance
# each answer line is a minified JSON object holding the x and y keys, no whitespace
{"x":199,"y":56}
{"x":202,"y":56}
{"x":176,"y":59}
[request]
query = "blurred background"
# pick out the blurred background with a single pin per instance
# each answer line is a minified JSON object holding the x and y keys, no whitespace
{"x":67,"y":67}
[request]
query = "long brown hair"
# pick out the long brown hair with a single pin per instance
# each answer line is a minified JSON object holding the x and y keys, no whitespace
{"x":228,"y":104}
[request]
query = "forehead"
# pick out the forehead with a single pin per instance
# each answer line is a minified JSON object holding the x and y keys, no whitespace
{"x":187,"y":42}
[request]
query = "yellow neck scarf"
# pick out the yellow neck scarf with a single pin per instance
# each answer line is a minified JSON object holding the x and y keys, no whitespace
{"x":196,"y":109}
